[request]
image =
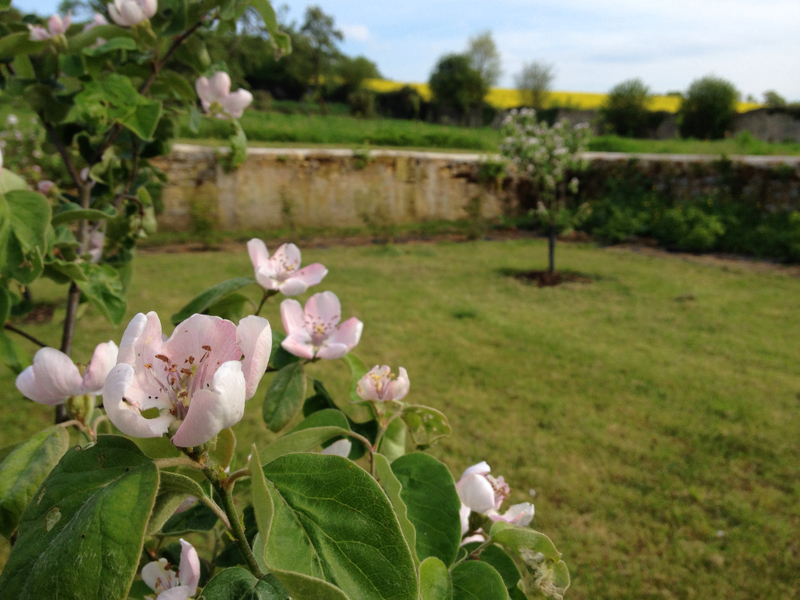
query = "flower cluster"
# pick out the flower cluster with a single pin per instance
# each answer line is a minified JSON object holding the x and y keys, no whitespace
{"x":218,"y":100}
{"x":543,"y":153}
{"x":484,"y":494}
{"x":56,"y":26}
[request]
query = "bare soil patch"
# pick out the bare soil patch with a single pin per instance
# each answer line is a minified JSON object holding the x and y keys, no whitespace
{"x":547,"y":279}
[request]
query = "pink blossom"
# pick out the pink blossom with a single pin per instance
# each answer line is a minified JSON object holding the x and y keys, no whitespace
{"x":380,"y":384}
{"x":218,"y":100}
{"x":339,"y":448}
{"x":96,"y":243}
{"x":518,"y":514}
{"x":97,"y":19}
{"x":316,"y":332}
{"x":198,"y":380}
{"x":282,"y":270}
{"x":130,"y":13}
{"x":169,"y":585}
{"x":56,"y":25}
{"x":45,"y":186}
{"x":480,"y":491}
{"x":53,"y":377}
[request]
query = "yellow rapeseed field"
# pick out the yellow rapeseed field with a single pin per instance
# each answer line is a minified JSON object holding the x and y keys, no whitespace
{"x":508,"y":98}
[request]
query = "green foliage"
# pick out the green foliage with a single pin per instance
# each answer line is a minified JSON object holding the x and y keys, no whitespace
{"x":24,"y":469}
{"x":689,"y":228}
{"x":625,"y":109}
{"x":239,"y":584}
{"x":430,"y":496}
{"x":708,"y":108}
{"x":285,"y":396}
{"x":534,"y":83}
{"x":457,"y":88}
{"x":434,"y":580}
{"x":327,"y":509}
{"x":93,"y":507}
{"x":210,"y":297}
{"x":474,"y":579}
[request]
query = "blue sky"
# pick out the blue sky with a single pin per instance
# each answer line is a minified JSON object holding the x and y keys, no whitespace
{"x":593,"y":44}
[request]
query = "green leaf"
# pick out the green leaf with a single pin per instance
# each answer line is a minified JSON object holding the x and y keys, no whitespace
{"x":69,"y":271}
{"x":12,"y":354}
{"x":106,"y":32}
{"x":474,"y":580}
{"x":434,"y":580}
{"x":327,"y":417}
{"x":301,"y":441}
{"x":547,"y":571}
{"x":103,"y":288}
{"x":76,"y":214}
{"x":181,"y":484}
{"x":20,"y":43}
{"x":430,"y":496}
{"x":82,"y":535}
{"x":71,"y":65}
{"x":332,"y":521}
{"x":391,"y":485}
{"x":169,"y":84}
{"x":225,"y":447}
{"x":518,"y":538}
{"x":144,"y":119}
{"x":425,"y":424}
{"x":280,"y":41}
{"x":6,"y":300}
{"x":23,"y":471}
{"x":262,"y":506}
{"x":306,"y":587}
{"x":165,"y":506}
{"x":25,"y":244}
{"x":393,"y":442}
{"x":239,"y":584}
{"x":197,"y":518}
{"x":231,"y":307}
{"x":284,"y":396}
{"x":6,"y":450}
{"x":238,"y":150}
{"x":10,"y":182}
{"x":202,"y":302}
{"x":500,"y":560}
{"x":357,"y":370}
{"x":117,"y":43}
{"x":193,"y":53}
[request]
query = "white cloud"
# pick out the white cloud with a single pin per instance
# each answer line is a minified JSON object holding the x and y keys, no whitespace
{"x":356,"y":33}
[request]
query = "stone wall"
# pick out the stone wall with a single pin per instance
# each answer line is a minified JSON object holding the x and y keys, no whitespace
{"x":277,"y":188}
{"x":283,"y":187}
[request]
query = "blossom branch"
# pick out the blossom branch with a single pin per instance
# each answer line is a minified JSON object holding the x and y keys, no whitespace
{"x":237,"y":530}
{"x":26,"y":335}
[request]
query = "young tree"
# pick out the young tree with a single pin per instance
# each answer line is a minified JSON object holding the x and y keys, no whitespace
{"x":547,"y":155}
{"x":534,"y":83}
{"x":456,"y":86}
{"x":625,"y":109}
{"x":484,"y":57}
{"x":708,"y":109}
{"x":773,"y":99}
{"x":318,"y":28}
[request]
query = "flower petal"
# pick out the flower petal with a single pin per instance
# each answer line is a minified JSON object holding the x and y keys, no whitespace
{"x":176,"y":593}
{"x":214,"y":408}
{"x":202,"y":335}
{"x":293,"y":317}
{"x":519,"y":514}
{"x":476,"y":492}
{"x":400,"y":386}
{"x":149,"y":7}
{"x":26,"y":383}
{"x":103,"y":360}
{"x":254,"y":338}
{"x":292,"y":287}
{"x":312,"y":274}
{"x":220,"y":85}
{"x":482,"y":468}
{"x":157,"y":577}
{"x":339,"y":448}
{"x":125,"y":416}
{"x":348,"y":333}
{"x":324,"y":307}
{"x":56,"y":374}
{"x":256,"y":248}
{"x":235,"y":103}
{"x":299,"y":345}
{"x":266,"y":278}
{"x":332,"y":351}
{"x":287,"y":258}
{"x":204,"y":93}
{"x":464,"y":513}
{"x":189,"y":571}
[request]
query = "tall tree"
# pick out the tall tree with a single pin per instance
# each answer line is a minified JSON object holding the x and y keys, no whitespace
{"x":534,"y":82}
{"x":322,"y":36}
{"x":484,"y":57}
{"x":457,"y":88}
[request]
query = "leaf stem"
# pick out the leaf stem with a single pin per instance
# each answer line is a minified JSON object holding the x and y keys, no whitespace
{"x":475,"y":553}
{"x":27,"y":336}
{"x":231,"y":480}
{"x":237,"y":530}
{"x":179,"y":461}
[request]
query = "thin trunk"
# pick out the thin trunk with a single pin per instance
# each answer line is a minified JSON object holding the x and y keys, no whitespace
{"x":551,"y":246}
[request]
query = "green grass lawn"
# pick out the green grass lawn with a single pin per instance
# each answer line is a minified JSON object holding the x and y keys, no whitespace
{"x":655,"y":412}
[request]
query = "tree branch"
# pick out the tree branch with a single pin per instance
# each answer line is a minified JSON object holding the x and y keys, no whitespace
{"x":79,"y":183}
{"x":27,"y":336}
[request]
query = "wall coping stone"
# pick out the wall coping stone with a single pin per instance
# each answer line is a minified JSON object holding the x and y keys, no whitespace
{"x":194,"y":150}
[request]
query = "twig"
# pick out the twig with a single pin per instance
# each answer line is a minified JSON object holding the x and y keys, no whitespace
{"x":79,"y":183}
{"x":238,"y":531}
{"x":231,"y":480}
{"x":27,"y":336}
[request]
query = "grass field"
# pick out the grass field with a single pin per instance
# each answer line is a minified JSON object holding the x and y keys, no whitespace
{"x":277,"y":129}
{"x":655,"y":411}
